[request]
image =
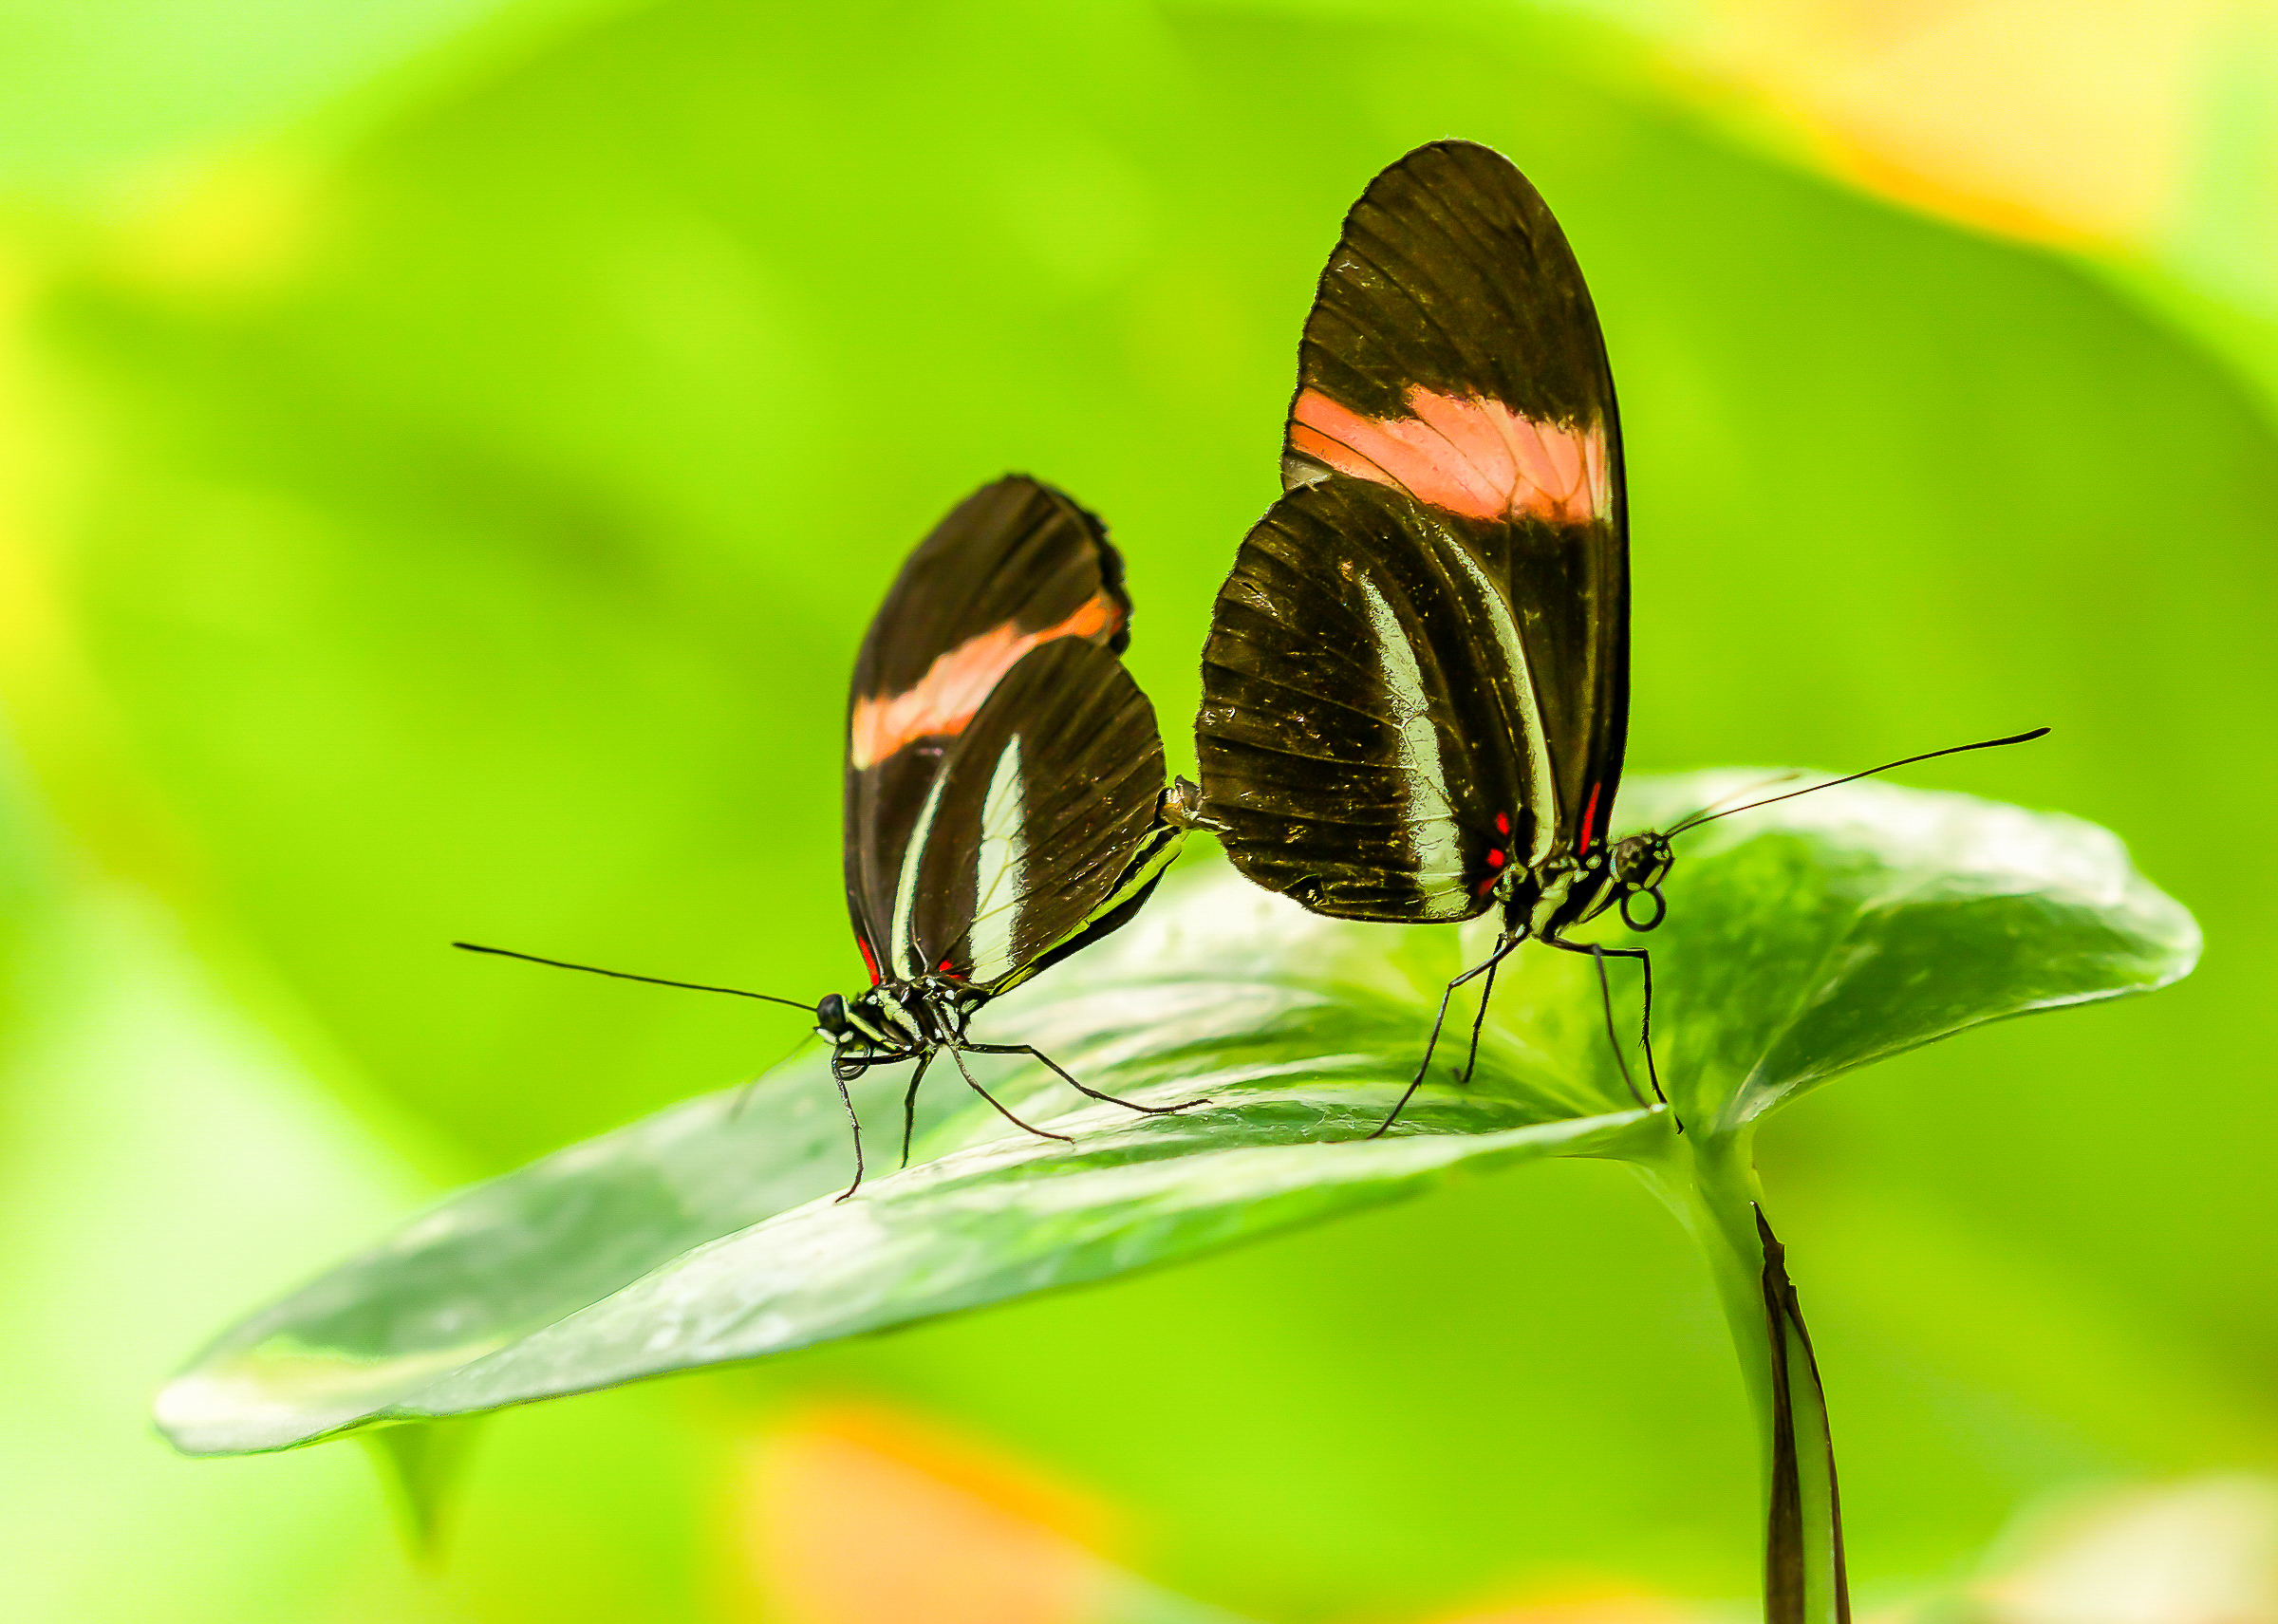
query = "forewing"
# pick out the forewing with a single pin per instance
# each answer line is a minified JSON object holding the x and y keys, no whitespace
{"x":1356,"y":734}
{"x":1453,"y":352}
{"x":1016,"y":568}
{"x":1044,"y":805}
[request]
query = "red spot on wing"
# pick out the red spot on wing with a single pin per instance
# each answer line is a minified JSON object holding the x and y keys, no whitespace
{"x":958,"y":682}
{"x":869,"y":959}
{"x":942,"y":966}
{"x":1589,"y":819}
{"x":1495,"y":857}
{"x":1502,"y":823}
{"x":1466,"y":455}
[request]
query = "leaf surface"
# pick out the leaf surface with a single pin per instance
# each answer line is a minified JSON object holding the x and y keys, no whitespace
{"x":1802,"y":941}
{"x":1847,"y":926}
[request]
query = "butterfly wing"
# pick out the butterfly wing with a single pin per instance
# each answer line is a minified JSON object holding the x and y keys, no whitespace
{"x":1453,"y":394}
{"x":1356,"y":719}
{"x":1044,"y":827}
{"x":1015,"y":570}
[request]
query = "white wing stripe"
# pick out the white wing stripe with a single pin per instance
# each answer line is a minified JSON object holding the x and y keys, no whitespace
{"x":902,"y":949}
{"x":1431,"y":828}
{"x":1004,"y":858}
{"x":1542,"y":789}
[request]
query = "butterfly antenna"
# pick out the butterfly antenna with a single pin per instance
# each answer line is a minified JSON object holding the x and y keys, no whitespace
{"x":744,"y":1094}
{"x":628,"y":976}
{"x":1848,"y":777}
{"x":1701,"y":814}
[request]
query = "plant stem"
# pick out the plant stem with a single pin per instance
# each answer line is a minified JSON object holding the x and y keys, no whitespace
{"x":1709,"y":1182}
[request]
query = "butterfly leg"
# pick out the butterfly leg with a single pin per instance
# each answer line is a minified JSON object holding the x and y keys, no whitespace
{"x":1645,"y":1031}
{"x":957,"y":1052}
{"x":1478,"y":1021}
{"x":909,"y":1103}
{"x":855,"y":1122}
{"x":1504,"y":949}
{"x":1036,"y":1054}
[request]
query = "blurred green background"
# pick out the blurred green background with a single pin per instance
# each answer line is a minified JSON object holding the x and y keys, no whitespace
{"x":448,"y":455}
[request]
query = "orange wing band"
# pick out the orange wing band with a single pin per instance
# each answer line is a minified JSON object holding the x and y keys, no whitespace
{"x":958,"y":683}
{"x":1463,"y":454}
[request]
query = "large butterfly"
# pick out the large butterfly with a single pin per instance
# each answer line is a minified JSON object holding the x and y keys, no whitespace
{"x":1416,"y":688}
{"x":1415,"y":691}
{"x":1004,"y":794}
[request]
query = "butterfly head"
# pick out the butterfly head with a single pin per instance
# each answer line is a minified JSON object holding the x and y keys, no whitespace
{"x":850,"y":1042}
{"x":858,"y":1029}
{"x":1640,"y":863}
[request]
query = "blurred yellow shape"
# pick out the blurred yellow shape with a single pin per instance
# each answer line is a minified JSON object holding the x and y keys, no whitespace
{"x":1585,"y":1606}
{"x":2066,"y":120}
{"x":242,"y":227}
{"x":2204,"y":1552}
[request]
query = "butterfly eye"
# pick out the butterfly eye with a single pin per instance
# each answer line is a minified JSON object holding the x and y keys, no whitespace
{"x":830,"y":1014}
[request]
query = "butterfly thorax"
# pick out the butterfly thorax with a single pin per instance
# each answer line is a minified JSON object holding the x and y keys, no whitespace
{"x":1534,"y":898}
{"x":897,"y":1019}
{"x":1564,"y":890}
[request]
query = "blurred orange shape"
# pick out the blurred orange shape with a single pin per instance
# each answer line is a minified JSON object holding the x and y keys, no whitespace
{"x":864,"y":1517}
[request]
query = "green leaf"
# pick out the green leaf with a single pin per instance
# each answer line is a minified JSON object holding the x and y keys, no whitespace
{"x":89,"y":92}
{"x":1847,"y":926}
{"x":422,"y":1466}
{"x":1802,"y":941}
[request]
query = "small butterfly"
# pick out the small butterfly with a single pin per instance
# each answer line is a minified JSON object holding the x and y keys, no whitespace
{"x":1004,"y":795}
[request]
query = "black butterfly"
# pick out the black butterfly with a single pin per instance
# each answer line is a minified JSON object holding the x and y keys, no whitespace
{"x":1004,"y":795}
{"x":1417,"y":687}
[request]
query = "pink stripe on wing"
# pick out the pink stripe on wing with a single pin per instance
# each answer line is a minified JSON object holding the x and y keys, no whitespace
{"x":1466,"y":454}
{"x":958,"y":682}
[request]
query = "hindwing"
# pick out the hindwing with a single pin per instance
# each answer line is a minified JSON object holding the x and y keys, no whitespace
{"x":1363,"y":728}
{"x":1047,"y":805}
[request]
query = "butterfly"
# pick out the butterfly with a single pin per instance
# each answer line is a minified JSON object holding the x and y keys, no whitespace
{"x":1005,"y":802}
{"x":1004,"y":796}
{"x":1416,"y":685}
